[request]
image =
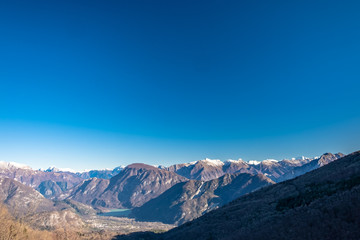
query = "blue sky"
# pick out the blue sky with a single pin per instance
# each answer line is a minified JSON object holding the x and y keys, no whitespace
{"x":95,"y":84}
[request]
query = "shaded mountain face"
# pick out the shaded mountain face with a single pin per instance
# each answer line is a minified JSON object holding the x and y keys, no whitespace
{"x":48,"y":183}
{"x":201,"y":170}
{"x":238,"y":166}
{"x":321,"y":204}
{"x":89,"y":192}
{"x":276,"y":170}
{"x":135,"y":185}
{"x":51,"y":189}
{"x":188,"y":200}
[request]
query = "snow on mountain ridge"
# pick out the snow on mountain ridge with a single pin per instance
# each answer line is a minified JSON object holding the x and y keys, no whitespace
{"x":214,"y":162}
{"x":254,"y":162}
{"x":55,"y":169}
{"x":234,"y":161}
{"x":270,"y":160}
{"x":8,"y":165}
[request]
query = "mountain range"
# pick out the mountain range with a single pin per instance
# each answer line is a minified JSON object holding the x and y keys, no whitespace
{"x":178,"y":194}
{"x":321,"y":204}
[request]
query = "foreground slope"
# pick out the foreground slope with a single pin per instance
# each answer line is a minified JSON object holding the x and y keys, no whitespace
{"x":14,"y":230}
{"x":322,"y":204}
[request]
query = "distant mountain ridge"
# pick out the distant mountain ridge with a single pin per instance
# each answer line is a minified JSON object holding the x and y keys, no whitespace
{"x":277,"y":171}
{"x":98,"y":173}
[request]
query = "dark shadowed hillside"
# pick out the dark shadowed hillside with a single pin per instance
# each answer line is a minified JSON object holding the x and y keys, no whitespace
{"x":186,"y":201}
{"x":322,"y":204}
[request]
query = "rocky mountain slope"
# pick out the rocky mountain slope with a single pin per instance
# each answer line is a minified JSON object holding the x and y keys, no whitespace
{"x":47,"y":183}
{"x":89,"y":192}
{"x":28,"y":204}
{"x":21,"y":199}
{"x":201,"y":170}
{"x":132,"y":187}
{"x":321,"y":204}
{"x":186,"y":201}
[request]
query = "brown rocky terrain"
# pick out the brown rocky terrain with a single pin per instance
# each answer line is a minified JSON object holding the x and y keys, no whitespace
{"x":201,"y":170}
{"x":22,"y":200}
{"x":47,"y":183}
{"x":89,"y":191}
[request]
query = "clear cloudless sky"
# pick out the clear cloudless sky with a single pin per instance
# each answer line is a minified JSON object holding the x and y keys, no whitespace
{"x":97,"y":84}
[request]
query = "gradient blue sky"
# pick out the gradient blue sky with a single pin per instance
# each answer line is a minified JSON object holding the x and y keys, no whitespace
{"x":95,"y":84}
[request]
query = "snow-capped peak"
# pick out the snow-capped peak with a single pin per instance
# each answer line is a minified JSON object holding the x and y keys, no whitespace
{"x":55,"y":169}
{"x":300,"y":158}
{"x":254,"y":162}
{"x":8,"y":165}
{"x":234,"y":161}
{"x":269,"y":161}
{"x":208,"y":161}
{"x":213,"y":162}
